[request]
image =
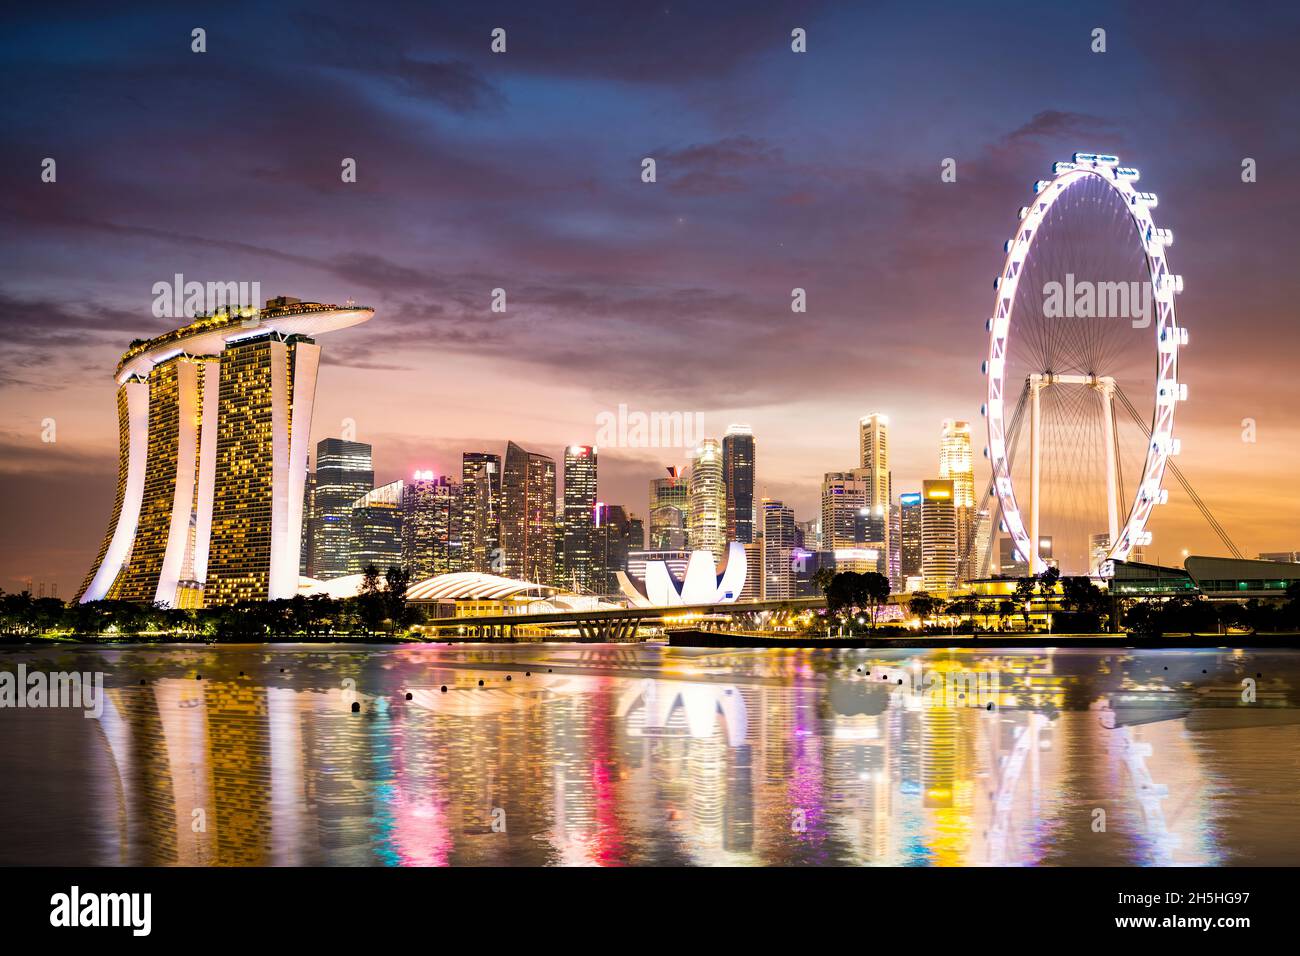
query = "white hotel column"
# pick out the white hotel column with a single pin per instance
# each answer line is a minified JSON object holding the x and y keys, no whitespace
{"x":187,"y":450}
{"x":137,"y":446}
{"x":207,"y":467}
{"x":291,"y":435}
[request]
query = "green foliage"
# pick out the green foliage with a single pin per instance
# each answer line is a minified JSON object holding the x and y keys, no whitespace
{"x":315,"y":616}
{"x":848,"y":592}
{"x":923,"y":604}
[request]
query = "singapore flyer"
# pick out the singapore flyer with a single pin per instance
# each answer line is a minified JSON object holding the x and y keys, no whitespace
{"x":1082,"y":369}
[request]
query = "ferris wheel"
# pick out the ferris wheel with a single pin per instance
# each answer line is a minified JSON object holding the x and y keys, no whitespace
{"x":1083,"y":357}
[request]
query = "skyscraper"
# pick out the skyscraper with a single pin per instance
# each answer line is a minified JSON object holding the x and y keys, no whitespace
{"x":938,"y":536}
{"x":670,"y":507}
{"x":308,"y":520}
{"x":213,"y":425}
{"x":708,"y":500}
{"x":778,"y":547}
{"x":344,"y":472}
{"x":909,"y":557}
{"x":480,"y":512}
{"x":579,"y":565}
{"x":844,"y":497}
{"x":873,"y":451}
{"x":873,"y":448}
{"x":738,"y":471}
{"x":957,"y":463}
{"x":615,"y":535}
{"x":375,"y":526}
{"x":528,"y":516}
{"x":430,"y":525}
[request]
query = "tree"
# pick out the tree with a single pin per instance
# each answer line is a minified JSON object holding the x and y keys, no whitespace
{"x":370,"y":600}
{"x":822,"y":578}
{"x":1047,"y":581}
{"x":396,"y":581}
{"x":1006,"y":609}
{"x":842,"y":593}
{"x":923,"y":605}
{"x":871,"y":591}
{"x":1025,"y":588}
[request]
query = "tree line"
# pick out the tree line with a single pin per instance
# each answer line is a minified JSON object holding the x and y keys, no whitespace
{"x":380,"y":607}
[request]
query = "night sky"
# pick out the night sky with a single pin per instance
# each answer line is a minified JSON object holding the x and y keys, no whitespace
{"x":522,"y":171}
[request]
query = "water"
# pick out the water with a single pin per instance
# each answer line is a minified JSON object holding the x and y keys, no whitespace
{"x":640,"y":754}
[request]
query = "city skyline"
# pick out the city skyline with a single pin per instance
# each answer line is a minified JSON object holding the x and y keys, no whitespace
{"x":477,"y":194}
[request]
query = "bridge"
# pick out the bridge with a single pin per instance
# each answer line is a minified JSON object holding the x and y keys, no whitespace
{"x":612,"y":624}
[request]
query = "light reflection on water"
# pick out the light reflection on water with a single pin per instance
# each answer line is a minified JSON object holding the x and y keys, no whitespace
{"x":639,"y":754}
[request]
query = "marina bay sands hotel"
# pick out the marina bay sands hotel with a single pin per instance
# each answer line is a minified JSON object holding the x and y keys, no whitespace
{"x":214,"y":423}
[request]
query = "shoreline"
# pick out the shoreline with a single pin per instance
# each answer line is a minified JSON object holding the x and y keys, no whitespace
{"x":709,"y":639}
{"x":1276,"y":641}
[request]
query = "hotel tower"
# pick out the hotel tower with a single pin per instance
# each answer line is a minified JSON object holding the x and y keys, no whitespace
{"x":213,"y":426}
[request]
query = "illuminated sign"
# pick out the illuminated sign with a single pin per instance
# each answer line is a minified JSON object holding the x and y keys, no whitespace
{"x":857,"y":554}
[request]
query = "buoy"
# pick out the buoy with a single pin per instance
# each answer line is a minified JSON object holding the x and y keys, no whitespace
{"x":356,"y":707}
{"x":507,"y":677}
{"x":444,"y":688}
{"x":408,"y":695}
{"x":480,"y":683}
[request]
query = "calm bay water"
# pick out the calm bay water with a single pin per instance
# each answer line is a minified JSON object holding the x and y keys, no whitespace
{"x":640,"y":754}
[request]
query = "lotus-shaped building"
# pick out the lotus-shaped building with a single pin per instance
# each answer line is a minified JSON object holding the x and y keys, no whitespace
{"x":701,"y":584}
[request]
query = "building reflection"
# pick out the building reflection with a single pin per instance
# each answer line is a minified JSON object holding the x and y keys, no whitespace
{"x":789,"y":757}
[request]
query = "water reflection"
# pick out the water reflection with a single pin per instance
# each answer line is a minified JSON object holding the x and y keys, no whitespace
{"x":593,"y":755}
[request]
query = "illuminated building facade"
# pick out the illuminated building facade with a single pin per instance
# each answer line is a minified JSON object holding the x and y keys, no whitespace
{"x":670,"y":509}
{"x":845,"y":495}
{"x":615,"y":536}
{"x":873,"y":456}
{"x":430,"y":532}
{"x":375,"y":523}
{"x":528,"y":516}
{"x":738,"y":473}
{"x":938,"y":536}
{"x":708,"y":495}
{"x":956,"y":463}
{"x":213,"y":425}
{"x":345,"y":471}
{"x":873,"y":451}
{"x":308,"y":522}
{"x":909,"y":523}
{"x":579,"y":541}
{"x":480,"y":512}
{"x":778,"y":547}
